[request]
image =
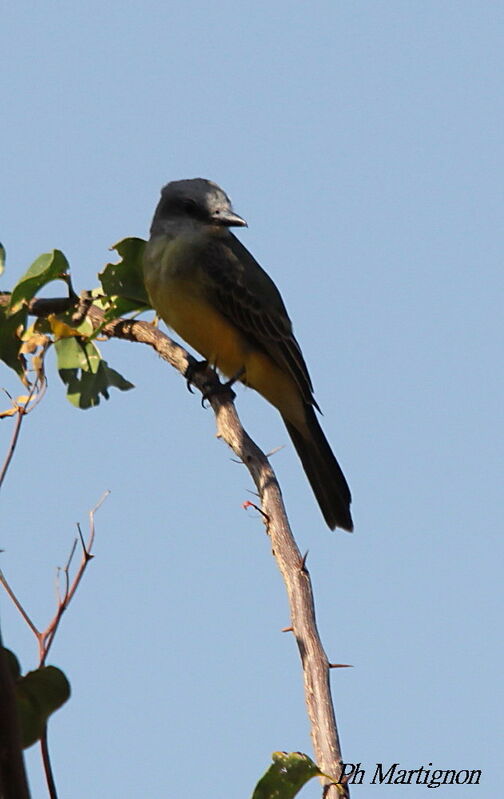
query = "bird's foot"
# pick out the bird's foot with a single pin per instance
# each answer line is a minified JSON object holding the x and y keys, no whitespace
{"x":223,"y":388}
{"x":214,"y":388}
{"x":195,"y":366}
{"x":218,"y":389}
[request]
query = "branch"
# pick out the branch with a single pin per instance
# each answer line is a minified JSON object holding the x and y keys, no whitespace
{"x":46,"y":762}
{"x":292,"y":565}
{"x":47,"y":636}
{"x":21,"y":410}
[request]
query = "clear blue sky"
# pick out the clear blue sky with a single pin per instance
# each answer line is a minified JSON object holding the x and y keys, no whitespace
{"x":363,"y":143}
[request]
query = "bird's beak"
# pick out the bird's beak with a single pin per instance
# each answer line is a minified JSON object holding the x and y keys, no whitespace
{"x":228,"y":218}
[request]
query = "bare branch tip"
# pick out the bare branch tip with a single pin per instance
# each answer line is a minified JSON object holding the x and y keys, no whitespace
{"x":81,"y":536}
{"x":100,"y":501}
{"x":72,"y":553}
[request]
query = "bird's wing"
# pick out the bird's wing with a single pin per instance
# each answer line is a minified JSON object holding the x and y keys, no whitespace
{"x":247,"y":296}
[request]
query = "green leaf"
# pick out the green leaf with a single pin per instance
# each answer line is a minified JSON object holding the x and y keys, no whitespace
{"x":39,"y":693}
{"x":124,"y":280}
{"x":12,"y":663}
{"x":77,"y":353}
{"x":86,"y":375}
{"x":50,"y":266}
{"x":286,"y":776}
{"x":2,"y":258}
{"x":87,"y":394}
{"x":12,"y":327}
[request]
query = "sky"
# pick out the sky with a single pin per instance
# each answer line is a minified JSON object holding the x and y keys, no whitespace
{"x":363,"y":143}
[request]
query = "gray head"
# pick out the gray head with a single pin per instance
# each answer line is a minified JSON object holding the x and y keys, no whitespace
{"x":193,"y":202}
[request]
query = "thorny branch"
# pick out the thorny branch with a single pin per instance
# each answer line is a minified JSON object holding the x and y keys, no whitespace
{"x":292,"y":566}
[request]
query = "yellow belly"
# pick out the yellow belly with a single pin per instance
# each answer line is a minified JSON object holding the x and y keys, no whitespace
{"x":205,"y":329}
{"x":181,"y":303}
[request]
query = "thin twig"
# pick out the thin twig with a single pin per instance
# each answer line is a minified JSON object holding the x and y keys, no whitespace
{"x":17,"y":603}
{"x":46,"y":638}
{"x":46,"y":760}
{"x":12,"y":446}
{"x":66,"y":570}
{"x":22,"y":411}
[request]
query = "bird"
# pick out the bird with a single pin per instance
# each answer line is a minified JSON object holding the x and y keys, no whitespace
{"x":208,"y":288}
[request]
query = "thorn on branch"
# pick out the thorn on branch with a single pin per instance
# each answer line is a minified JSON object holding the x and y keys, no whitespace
{"x":287,"y":630}
{"x":340,"y":665}
{"x":248,"y":504}
{"x":275,"y":450}
{"x":86,"y":554}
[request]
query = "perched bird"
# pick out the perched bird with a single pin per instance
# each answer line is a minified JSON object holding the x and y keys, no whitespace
{"x":210,"y":290}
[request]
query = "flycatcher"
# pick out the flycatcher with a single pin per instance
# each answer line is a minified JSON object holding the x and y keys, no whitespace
{"x":210,"y":290}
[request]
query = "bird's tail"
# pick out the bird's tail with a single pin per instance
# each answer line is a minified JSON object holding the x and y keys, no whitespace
{"x":323,"y":471}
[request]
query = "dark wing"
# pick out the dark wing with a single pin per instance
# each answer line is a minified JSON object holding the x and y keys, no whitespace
{"x":244,"y":293}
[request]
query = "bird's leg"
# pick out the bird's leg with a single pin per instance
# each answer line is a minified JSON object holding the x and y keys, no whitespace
{"x":239,"y":374}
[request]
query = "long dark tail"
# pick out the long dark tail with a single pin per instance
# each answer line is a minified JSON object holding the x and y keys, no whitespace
{"x":323,"y":471}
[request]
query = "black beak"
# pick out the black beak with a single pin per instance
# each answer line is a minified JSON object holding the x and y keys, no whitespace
{"x":228,"y":218}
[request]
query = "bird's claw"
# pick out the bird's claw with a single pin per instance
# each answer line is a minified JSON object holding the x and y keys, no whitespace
{"x":195,"y":366}
{"x":219,"y":388}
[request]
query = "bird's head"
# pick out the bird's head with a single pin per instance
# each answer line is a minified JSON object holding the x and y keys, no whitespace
{"x":192,"y":202}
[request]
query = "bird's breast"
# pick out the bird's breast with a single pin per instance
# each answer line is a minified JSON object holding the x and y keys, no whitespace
{"x":179,"y":293}
{"x":179,"y":290}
